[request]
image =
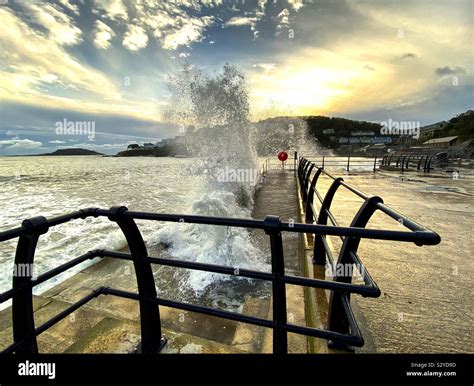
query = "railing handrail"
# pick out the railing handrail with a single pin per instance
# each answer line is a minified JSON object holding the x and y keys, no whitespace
{"x":402,"y":161}
{"x":418,"y":234}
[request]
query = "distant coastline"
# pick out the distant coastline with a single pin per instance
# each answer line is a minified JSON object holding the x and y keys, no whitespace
{"x":68,"y":152}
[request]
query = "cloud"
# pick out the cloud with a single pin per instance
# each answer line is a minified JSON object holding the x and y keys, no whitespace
{"x":296,"y":4}
{"x":135,"y":38}
{"x":240,"y":21}
{"x":34,"y":61}
{"x":111,"y":9}
{"x":447,"y":70}
{"x":57,"y":142}
{"x":405,"y":56}
{"x":250,"y":18}
{"x":68,"y":5}
{"x":284,"y":22}
{"x":265,"y":67}
{"x":60,"y":27}
{"x":102,"y":35}
{"x":20,"y":144}
{"x":174,"y":24}
{"x":188,"y":33}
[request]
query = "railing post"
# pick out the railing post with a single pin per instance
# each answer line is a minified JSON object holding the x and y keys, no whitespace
{"x":309,"y":215}
{"x":323,"y":163}
{"x":295,"y":162}
{"x":319,"y":250}
{"x":426,"y":163}
{"x":419,"y":162}
{"x":305,"y":181}
{"x":429,"y":164}
{"x":152,"y":341}
{"x":22,"y":303}
{"x":375,"y":163}
{"x":348,"y":162}
{"x":300,"y":167}
{"x":305,"y":170}
{"x":303,"y":173}
{"x":337,"y":320}
{"x":280,"y":336}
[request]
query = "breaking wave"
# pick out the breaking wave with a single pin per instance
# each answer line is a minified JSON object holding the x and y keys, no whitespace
{"x":215,"y":111}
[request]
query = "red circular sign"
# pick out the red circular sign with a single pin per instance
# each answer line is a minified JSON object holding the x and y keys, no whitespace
{"x":283,"y":156}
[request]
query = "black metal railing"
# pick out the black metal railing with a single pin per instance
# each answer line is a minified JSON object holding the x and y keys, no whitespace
{"x":405,"y":162}
{"x":342,"y":327}
{"x":346,"y":163}
{"x":339,"y":300}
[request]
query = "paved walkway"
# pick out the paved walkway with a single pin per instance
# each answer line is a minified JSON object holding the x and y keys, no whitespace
{"x":278,"y":196}
{"x":426,"y":304}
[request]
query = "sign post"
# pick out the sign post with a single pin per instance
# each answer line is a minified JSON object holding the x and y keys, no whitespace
{"x":283,"y":156}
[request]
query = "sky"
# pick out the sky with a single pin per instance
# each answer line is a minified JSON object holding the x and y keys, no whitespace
{"x":107,"y":61}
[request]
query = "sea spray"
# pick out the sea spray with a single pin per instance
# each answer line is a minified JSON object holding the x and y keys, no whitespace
{"x":217,"y":109}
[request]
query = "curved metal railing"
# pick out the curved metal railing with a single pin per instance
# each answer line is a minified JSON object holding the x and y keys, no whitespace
{"x":350,"y":243}
{"x":404,"y":162}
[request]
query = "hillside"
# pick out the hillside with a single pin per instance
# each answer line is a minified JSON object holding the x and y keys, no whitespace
{"x":164,"y":151}
{"x":461,"y":125}
{"x":73,"y":151}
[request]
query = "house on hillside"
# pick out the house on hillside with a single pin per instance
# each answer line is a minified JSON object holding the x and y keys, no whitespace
{"x":441,"y":142}
{"x":430,"y":130}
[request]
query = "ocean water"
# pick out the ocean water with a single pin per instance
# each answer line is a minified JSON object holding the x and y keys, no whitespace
{"x":50,"y":186}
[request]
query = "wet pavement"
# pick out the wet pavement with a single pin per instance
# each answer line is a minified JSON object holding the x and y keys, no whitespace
{"x":426,"y":304}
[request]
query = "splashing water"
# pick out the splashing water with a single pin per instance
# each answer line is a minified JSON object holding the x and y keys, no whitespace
{"x":217,"y":108}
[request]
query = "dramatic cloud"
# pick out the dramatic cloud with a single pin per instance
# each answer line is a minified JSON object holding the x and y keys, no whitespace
{"x":447,"y":70}
{"x":187,"y":34}
{"x":111,"y":9}
{"x":107,"y":60}
{"x":135,"y":38}
{"x":103,"y":35}
{"x":60,"y":27}
{"x":67,"y":4}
